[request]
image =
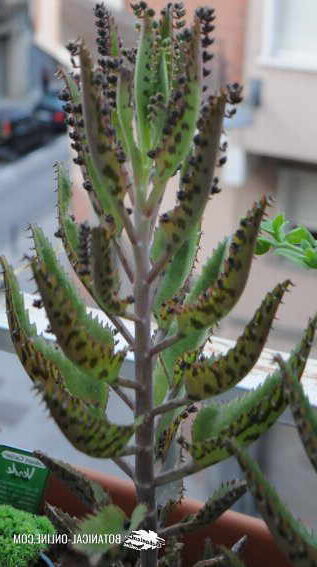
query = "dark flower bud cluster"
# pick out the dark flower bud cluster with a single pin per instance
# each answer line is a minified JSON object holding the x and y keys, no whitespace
{"x":179,"y":13}
{"x":102,"y":16}
{"x":141,"y":9}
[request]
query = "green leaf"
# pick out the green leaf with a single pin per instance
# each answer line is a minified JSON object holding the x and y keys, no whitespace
{"x":104,"y":270}
{"x":218,"y":300}
{"x":169,"y":433}
{"x":206,"y":279}
{"x":304,"y":414}
{"x":310,"y":258}
{"x":278,"y":224}
{"x":195,"y":193}
{"x":109,"y":520}
{"x":93,"y":435}
{"x":167,"y":495}
{"x":138,"y":516}
{"x":174,"y":146}
{"x":211,"y":377}
{"x":63,"y":522}
{"x":178,"y":270}
{"x":88,"y":491}
{"x":299,"y":234}
{"x":103,"y":148}
{"x":263,"y":245}
{"x":125,"y":117}
{"x":81,"y":338}
{"x":40,"y":359}
{"x":209,"y":272}
{"x":221,"y":500}
{"x":142,"y":79}
{"x":291,"y":535}
{"x":247,"y":417}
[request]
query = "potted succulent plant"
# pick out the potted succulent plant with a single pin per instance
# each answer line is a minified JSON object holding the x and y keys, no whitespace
{"x":136,"y":119}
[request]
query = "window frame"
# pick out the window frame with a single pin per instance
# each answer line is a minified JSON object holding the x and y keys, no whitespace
{"x":292,"y":60}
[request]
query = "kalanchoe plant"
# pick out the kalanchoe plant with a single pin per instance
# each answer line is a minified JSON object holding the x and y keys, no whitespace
{"x":136,"y":119}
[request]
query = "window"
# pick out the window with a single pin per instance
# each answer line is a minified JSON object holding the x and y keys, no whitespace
{"x":297,"y":196}
{"x":290,"y":33}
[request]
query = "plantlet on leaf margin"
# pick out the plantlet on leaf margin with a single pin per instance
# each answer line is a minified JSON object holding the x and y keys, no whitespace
{"x":135,"y":119}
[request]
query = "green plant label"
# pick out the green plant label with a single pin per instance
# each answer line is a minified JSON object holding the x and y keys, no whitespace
{"x":22,"y":479}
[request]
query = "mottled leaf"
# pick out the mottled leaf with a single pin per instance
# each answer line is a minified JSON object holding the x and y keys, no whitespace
{"x":62,"y":521}
{"x":218,"y":300}
{"x":304,"y":414}
{"x":222,"y":499}
{"x":40,"y":359}
{"x":142,"y":79}
{"x":182,"y":111}
{"x":93,"y":435}
{"x":214,"y":376}
{"x":88,"y":491}
{"x":104,"y":271}
{"x":83,"y":340}
{"x":104,"y":152}
{"x":195,"y":193}
{"x":291,"y":535}
{"x":247,"y":417}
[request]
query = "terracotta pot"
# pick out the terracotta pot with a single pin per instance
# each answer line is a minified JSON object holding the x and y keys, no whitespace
{"x":260,"y":551}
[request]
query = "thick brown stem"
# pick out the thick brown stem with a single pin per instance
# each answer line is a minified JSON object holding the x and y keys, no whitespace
{"x":144,"y":462}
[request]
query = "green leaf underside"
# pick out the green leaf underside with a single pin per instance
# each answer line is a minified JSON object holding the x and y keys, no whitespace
{"x":222,"y":499}
{"x":304,"y":414}
{"x":291,"y":535}
{"x":207,"y":278}
{"x":142,"y":92}
{"x":93,"y":435}
{"x":247,"y":417}
{"x":83,"y":340}
{"x":209,"y":272}
{"x":104,"y":271}
{"x":178,"y":270}
{"x":69,"y":229}
{"x":71,"y":237}
{"x":218,"y":300}
{"x":110,"y":520}
{"x":212,"y":377}
{"x":174,"y":225}
{"x":125,"y":117}
{"x":113,"y":175}
{"x":42,"y":361}
{"x":89,"y":492}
